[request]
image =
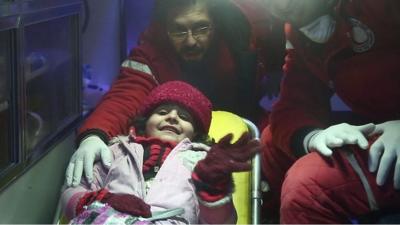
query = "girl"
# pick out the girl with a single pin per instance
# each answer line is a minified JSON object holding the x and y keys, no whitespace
{"x":158,"y":174}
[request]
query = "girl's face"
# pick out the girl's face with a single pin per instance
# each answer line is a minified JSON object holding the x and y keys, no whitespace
{"x":170,"y":122}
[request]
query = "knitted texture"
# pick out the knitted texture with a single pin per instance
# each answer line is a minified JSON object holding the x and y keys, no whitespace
{"x":88,"y":199}
{"x":124,"y":203}
{"x":212,"y":176}
{"x":159,"y":150}
{"x":225,"y":158}
{"x":128,"y":203}
{"x":185,"y":95}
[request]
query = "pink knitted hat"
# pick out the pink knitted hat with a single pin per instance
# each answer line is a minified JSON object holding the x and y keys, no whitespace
{"x":185,"y":95}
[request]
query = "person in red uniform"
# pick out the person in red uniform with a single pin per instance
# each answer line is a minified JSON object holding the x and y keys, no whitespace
{"x":337,"y":170}
{"x":213,"y":45}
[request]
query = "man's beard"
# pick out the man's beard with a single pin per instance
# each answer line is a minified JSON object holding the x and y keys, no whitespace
{"x":200,"y":63}
{"x":192,"y":51}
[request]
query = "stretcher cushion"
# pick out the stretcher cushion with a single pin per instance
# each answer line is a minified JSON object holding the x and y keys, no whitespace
{"x":222,"y":123}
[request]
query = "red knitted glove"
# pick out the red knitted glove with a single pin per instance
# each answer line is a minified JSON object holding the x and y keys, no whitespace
{"x":215,"y":170}
{"x":127,"y":203}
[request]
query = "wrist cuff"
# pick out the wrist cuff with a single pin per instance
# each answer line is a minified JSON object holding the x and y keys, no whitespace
{"x":308,"y":138}
{"x":102,"y":135}
{"x":296,"y":142}
{"x":205,"y":196}
{"x":220,"y":202}
{"x":223,"y":187}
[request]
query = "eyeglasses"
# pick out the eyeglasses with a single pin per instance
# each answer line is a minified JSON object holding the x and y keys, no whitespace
{"x":197,"y":33}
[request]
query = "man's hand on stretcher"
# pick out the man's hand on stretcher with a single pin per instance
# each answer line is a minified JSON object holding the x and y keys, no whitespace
{"x":90,"y":150}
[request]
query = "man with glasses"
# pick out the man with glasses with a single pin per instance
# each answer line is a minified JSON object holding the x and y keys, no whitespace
{"x":210,"y":44}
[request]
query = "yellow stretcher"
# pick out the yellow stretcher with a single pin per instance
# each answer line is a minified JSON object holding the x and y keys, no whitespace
{"x":247,"y":195}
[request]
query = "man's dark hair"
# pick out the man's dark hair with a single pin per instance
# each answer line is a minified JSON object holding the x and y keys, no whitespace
{"x":163,"y":7}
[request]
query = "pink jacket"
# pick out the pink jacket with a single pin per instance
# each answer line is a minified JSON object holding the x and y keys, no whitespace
{"x":171,"y":187}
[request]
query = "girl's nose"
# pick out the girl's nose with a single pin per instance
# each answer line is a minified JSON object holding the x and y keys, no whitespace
{"x":173,"y":114}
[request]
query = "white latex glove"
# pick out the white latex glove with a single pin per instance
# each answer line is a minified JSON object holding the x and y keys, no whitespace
{"x":339,"y":135}
{"x":90,"y":149}
{"x":385,"y":151}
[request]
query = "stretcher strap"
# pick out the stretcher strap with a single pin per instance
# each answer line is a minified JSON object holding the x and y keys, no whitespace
{"x":353,"y":162}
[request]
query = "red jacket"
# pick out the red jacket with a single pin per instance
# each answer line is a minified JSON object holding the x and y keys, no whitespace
{"x":365,"y":75}
{"x":122,"y":102}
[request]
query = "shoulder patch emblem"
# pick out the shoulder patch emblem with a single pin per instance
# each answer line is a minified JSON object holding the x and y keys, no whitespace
{"x":363,"y":37}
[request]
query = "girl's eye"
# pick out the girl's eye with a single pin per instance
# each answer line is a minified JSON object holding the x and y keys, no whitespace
{"x":184,"y":117}
{"x":162,"y":112}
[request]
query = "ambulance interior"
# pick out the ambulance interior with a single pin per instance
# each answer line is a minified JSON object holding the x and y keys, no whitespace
{"x":57,"y":59}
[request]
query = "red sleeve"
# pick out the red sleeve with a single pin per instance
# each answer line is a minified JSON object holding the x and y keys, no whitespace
{"x":119,"y":104}
{"x":304,"y":102}
{"x":71,"y":196}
